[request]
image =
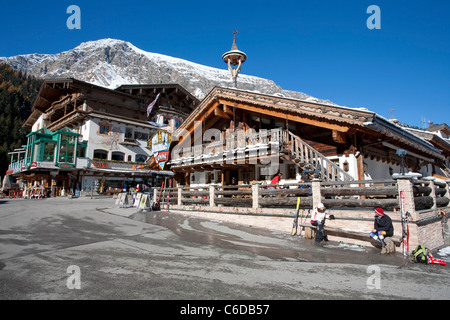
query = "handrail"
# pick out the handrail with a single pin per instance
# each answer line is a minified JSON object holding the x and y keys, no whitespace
{"x":307,"y":154}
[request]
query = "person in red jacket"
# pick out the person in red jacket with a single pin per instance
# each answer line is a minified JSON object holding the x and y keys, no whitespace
{"x":277,"y":178}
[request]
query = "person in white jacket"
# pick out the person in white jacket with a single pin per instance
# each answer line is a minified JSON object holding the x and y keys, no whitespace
{"x":318,"y":217}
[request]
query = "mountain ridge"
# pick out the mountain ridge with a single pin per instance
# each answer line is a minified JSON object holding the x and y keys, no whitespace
{"x":112,"y":62}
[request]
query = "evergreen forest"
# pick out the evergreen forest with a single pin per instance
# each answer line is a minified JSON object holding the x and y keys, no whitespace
{"x":17,"y":94}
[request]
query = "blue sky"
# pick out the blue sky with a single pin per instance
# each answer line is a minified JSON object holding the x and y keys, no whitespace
{"x":322,"y":48}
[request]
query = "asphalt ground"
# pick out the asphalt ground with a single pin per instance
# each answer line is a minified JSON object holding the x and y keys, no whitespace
{"x":88,"y":249}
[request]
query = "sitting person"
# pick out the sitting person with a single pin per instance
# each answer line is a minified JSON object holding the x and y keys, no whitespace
{"x":382,"y":228}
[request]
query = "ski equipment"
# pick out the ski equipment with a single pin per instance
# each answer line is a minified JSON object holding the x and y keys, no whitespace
{"x":405,"y":227}
{"x":295,"y":224}
{"x":157,"y":206}
{"x":423,"y":255}
{"x":168,"y":195}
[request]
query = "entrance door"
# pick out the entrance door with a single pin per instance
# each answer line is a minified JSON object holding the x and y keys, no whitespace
{"x":234,"y":177}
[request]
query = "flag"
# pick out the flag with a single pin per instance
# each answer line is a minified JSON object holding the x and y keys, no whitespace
{"x":151,"y":105}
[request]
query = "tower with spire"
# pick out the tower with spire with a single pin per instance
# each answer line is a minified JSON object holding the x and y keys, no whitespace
{"x":234,"y":58}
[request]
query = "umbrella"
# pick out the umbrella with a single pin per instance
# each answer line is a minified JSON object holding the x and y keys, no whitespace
{"x":6,"y":183}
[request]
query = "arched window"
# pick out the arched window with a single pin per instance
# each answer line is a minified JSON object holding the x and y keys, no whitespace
{"x":100,"y":154}
{"x":141,"y":158}
{"x":118,"y":156}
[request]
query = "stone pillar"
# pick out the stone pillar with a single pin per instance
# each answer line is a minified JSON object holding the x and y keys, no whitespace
{"x":255,"y":195}
{"x":316,"y":193}
{"x":405,"y":185}
{"x":447,"y":194}
{"x":433,"y":194}
{"x":180,"y":190}
{"x":212,"y":188}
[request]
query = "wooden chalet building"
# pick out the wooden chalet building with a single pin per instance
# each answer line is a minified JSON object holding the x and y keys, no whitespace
{"x":238,"y":137}
{"x":89,"y":138}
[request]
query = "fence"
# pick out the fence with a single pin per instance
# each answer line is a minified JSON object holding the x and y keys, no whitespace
{"x":350,"y":194}
{"x":273,"y":206}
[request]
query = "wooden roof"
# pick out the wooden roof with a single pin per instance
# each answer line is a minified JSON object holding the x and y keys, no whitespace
{"x":52,"y":90}
{"x":341,"y":119}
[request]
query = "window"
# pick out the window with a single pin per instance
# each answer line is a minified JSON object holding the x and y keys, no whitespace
{"x":49,"y":151}
{"x":291,"y":171}
{"x":29,"y":150}
{"x":140,"y":158}
{"x":246,"y":176}
{"x":141,"y":136}
{"x":67,"y":149}
{"x":118,"y":156}
{"x":82,"y":148}
{"x":129,"y":133}
{"x":166,"y":121}
{"x":100,"y":154}
{"x":104,"y":129}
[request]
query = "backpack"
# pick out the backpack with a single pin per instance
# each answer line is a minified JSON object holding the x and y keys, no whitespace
{"x":420,"y":254}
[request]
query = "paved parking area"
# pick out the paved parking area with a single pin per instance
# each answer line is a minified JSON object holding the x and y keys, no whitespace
{"x":89,"y":249}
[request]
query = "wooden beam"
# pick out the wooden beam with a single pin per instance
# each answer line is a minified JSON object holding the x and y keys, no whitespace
{"x":282,"y":114}
{"x":228,"y":110}
{"x":221,"y":114}
{"x":199,"y":119}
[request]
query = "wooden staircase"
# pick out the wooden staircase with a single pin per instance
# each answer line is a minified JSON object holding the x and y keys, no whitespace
{"x":306,"y":157}
{"x":446,"y":170}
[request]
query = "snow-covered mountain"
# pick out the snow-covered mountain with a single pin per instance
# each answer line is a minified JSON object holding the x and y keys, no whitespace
{"x":111,"y":63}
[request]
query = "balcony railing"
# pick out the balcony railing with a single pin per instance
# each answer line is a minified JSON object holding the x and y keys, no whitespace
{"x":237,"y":145}
{"x":17,"y":166}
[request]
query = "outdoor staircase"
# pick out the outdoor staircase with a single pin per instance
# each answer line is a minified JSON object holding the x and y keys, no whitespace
{"x":446,"y":170}
{"x":308,"y":158}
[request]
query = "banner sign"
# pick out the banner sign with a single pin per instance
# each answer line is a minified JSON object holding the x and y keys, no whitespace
{"x":159,"y":144}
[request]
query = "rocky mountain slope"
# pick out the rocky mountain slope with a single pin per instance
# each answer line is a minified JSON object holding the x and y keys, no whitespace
{"x":111,"y":63}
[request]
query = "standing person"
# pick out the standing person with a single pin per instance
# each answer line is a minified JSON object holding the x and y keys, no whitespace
{"x":277,"y":178}
{"x":382,"y":228}
{"x":318,"y":217}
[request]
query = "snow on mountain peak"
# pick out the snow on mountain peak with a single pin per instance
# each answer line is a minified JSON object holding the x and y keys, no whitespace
{"x":112,"y":62}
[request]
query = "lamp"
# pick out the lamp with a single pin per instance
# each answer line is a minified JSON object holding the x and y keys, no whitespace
{"x":402,"y":154}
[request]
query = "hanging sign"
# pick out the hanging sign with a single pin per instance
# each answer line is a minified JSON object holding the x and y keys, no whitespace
{"x":159,"y":144}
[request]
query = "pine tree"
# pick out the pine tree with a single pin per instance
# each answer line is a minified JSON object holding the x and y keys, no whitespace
{"x":17,"y":94}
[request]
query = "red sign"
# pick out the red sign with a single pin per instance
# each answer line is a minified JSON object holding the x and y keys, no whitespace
{"x":162,"y":156}
{"x":100,"y":164}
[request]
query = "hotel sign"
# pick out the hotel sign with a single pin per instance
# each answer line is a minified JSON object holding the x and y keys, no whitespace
{"x":159,"y":144}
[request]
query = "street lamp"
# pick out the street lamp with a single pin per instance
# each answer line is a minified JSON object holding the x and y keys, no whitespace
{"x":402,"y":154}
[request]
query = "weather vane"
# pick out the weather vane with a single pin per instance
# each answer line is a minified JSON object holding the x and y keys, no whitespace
{"x":234,"y":57}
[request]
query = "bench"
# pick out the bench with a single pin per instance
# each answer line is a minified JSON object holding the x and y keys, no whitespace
{"x":310,"y":233}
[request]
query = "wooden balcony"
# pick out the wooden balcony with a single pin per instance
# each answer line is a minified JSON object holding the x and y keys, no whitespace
{"x":235,"y":147}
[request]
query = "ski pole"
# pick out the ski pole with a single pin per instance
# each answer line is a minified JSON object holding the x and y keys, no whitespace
{"x":168,"y":195}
